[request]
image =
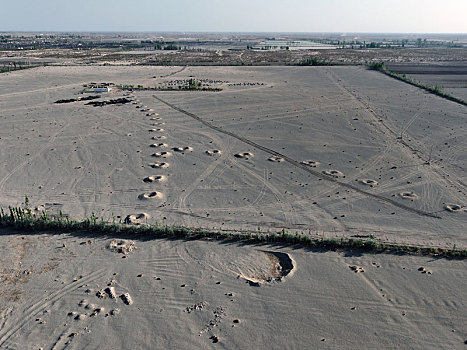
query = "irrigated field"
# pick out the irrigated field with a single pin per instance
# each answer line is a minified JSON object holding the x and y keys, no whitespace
{"x":328,"y":151}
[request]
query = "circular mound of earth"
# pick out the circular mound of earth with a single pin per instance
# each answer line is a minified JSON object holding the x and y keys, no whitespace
{"x":369,"y":182}
{"x":137,"y":219}
{"x":408,"y":195}
{"x":159,"y":145}
{"x":276,"y":159}
{"x":453,"y":208}
{"x":213,"y":152}
{"x":151,"y":195}
{"x":159,"y":165}
{"x":162,"y":154}
{"x":310,"y":163}
{"x":333,"y":173}
{"x":256,"y":267}
{"x":155,"y":178}
{"x":244,"y":155}
{"x":183,"y":149}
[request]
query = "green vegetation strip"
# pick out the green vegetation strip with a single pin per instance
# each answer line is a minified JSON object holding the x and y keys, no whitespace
{"x":23,"y":219}
{"x":436,"y":90}
{"x":12,"y":66}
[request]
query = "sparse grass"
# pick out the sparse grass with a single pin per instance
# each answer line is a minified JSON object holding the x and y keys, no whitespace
{"x":436,"y":90}
{"x":313,"y":61}
{"x":19,"y":66}
{"x":24,"y":219}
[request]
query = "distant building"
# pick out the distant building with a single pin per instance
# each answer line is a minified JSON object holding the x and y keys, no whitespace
{"x":100,"y":89}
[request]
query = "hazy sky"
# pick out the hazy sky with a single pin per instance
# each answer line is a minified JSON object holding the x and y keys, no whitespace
{"x":383,"y":16}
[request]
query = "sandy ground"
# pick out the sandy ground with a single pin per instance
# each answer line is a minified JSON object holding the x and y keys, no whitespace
{"x":80,"y":291}
{"x":327,"y":151}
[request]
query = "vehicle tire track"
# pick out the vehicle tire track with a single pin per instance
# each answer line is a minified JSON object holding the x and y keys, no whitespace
{"x":297,"y":164}
{"x":32,"y":310}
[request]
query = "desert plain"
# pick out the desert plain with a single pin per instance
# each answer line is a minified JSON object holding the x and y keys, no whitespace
{"x":327,"y":152}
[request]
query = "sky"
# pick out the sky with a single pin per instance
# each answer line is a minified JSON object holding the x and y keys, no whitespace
{"x":351,"y":16}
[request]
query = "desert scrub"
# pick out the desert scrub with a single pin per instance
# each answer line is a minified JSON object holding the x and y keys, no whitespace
{"x":313,"y":61}
{"x":24,"y":219}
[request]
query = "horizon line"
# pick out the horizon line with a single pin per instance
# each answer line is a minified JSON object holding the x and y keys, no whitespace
{"x":221,"y":32}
